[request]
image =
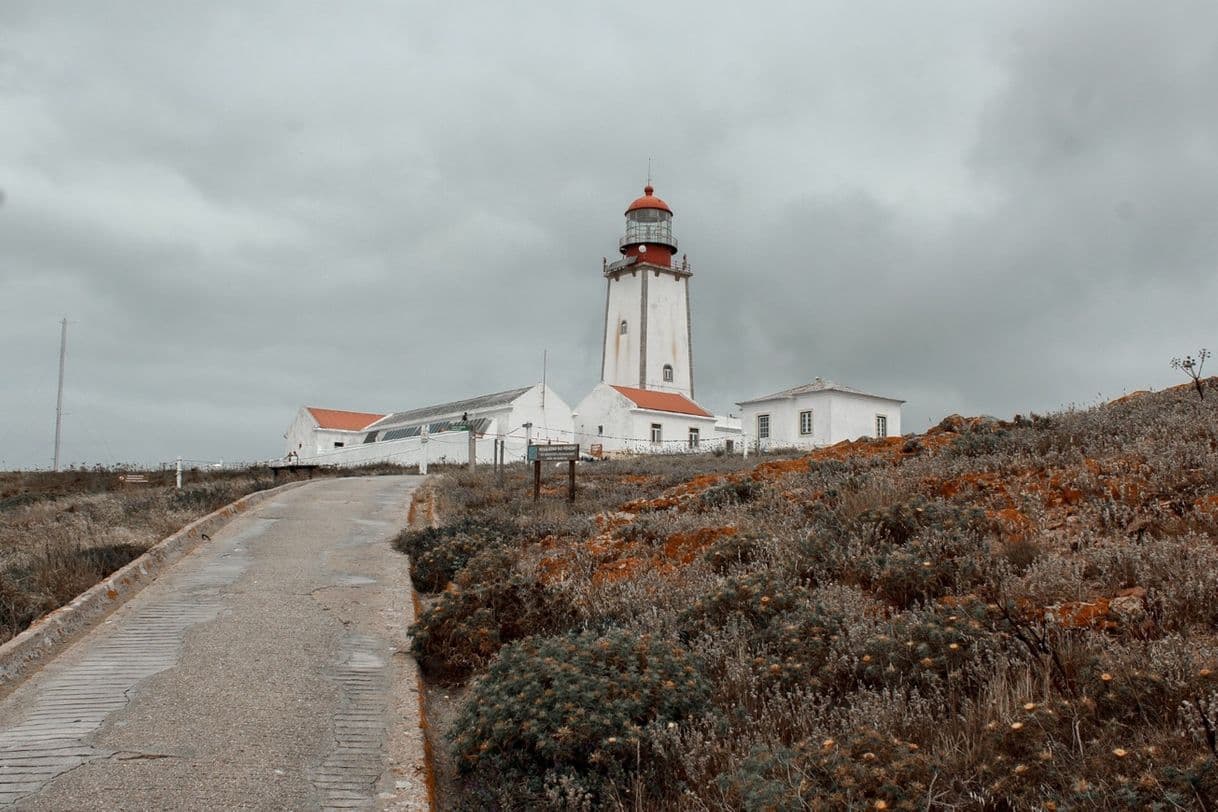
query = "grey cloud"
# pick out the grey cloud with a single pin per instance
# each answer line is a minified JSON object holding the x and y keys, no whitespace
{"x":244,"y":208}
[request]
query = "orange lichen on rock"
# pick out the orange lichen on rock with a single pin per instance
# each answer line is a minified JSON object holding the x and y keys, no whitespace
{"x":1131,"y":396}
{"x":1014,"y":525}
{"x":699,"y":484}
{"x":622,"y":569}
{"x":1079,"y":614}
{"x":646,"y":505}
{"x":612,"y":521}
{"x":683,"y":548}
{"x":1207,"y":504}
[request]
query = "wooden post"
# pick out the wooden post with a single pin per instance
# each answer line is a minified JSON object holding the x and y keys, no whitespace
{"x":571,"y":485}
{"x":473,"y":448}
{"x":536,"y":480}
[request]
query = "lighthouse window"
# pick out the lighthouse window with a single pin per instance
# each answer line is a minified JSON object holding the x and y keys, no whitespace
{"x":668,"y":373}
{"x":622,"y":327}
{"x":656,"y":435}
{"x":763,"y":427}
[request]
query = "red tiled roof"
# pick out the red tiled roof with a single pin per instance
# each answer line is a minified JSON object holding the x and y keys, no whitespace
{"x":662,"y":401}
{"x":338,"y":419}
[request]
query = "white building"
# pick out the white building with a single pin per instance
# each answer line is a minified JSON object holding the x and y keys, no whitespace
{"x":315,"y":430}
{"x":441,"y":432}
{"x":624,"y":418}
{"x":818,"y":414}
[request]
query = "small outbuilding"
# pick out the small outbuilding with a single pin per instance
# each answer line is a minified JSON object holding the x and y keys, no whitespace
{"x":818,"y":414}
{"x":315,"y":431}
{"x":623,"y":418}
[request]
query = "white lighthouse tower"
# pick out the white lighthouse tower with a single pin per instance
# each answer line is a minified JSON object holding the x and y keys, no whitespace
{"x":647,"y":325}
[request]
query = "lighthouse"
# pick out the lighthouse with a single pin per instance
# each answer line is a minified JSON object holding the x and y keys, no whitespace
{"x":644,"y":402}
{"x":648,"y":337}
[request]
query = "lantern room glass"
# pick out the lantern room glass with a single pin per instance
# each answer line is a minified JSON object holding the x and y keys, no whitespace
{"x":648,"y":225}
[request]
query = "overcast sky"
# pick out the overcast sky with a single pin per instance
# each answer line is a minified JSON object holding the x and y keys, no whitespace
{"x":246,"y":207}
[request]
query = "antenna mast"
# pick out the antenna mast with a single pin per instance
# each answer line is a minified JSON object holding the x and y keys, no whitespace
{"x":63,"y":352}
{"x":545,"y":357}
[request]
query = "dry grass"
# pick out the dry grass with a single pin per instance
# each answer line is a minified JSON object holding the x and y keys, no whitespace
{"x":60,"y":533}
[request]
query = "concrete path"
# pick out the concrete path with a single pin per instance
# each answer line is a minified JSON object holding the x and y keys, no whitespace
{"x":266,"y":670}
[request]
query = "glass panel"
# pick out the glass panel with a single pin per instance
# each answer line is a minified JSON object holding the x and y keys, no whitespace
{"x":649,"y":216}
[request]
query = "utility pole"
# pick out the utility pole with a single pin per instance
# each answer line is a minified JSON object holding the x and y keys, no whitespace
{"x":473,"y":446}
{"x":63,"y":353}
{"x":423,"y":443}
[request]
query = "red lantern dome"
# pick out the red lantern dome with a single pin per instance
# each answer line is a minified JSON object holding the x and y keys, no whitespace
{"x":648,"y":201}
{"x":648,"y":236}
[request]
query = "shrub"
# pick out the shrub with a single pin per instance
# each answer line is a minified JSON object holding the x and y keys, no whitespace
{"x":932,"y":566}
{"x":490,"y":603}
{"x":731,"y":493}
{"x":438,"y":553}
{"x":794,"y":647}
{"x":756,"y":597}
{"x":571,"y":710}
{"x":901,"y":522}
{"x":731,"y":551}
{"x":858,"y":769}
{"x":928,"y":647}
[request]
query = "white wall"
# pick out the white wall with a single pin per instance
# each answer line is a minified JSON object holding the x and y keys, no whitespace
{"x":308,"y":439}
{"x":603,"y":417}
{"x":854,"y":416}
{"x":674,"y":432}
{"x":784,"y":421}
{"x":667,"y":333}
{"x":299,"y":436}
{"x":627,"y":428}
{"x":622,"y":351}
{"x":553,"y":423}
{"x":836,"y":416}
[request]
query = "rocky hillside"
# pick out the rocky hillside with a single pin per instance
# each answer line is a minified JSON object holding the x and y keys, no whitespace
{"x":995,"y":614}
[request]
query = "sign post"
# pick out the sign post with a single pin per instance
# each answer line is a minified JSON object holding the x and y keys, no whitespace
{"x":566,"y":452}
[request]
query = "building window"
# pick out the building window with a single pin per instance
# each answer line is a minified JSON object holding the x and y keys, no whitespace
{"x":600,"y":431}
{"x":805,"y":422}
{"x":881,"y":426}
{"x":763,"y":427}
{"x":668,"y":373}
{"x":693,"y":438}
{"x":621,"y":328}
{"x":729,"y":446}
{"x":656,"y":436}
{"x":338,"y":445}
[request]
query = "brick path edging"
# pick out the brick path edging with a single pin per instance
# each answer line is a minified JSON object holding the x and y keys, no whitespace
{"x":46,"y":636}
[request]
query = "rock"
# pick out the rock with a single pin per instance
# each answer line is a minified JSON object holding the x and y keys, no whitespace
{"x":912,"y":446}
{"x":1128,"y":608}
{"x":953,"y":423}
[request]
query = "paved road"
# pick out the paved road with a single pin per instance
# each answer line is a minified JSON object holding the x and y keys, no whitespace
{"x":266,"y":670}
